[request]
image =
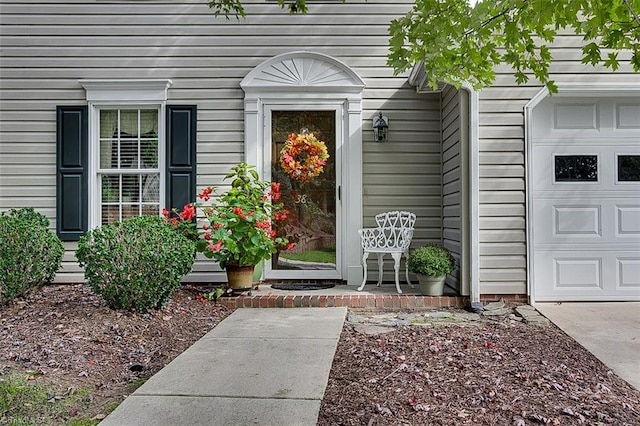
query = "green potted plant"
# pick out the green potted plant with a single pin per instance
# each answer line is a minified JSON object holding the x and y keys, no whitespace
{"x":239,"y":231}
{"x":431,"y":263}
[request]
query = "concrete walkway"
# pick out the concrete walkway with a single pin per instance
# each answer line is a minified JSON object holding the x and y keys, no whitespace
{"x":610,"y":331}
{"x":257,"y":367}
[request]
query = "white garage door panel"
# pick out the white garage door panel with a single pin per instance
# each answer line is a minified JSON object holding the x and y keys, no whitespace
{"x":588,"y":275}
{"x":612,"y":223}
{"x":629,"y":273}
{"x":627,"y":115}
{"x":585,"y":218}
{"x":578,"y":220}
{"x":627,"y":220}
{"x":583,"y":272}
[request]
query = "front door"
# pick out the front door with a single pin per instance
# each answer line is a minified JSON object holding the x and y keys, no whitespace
{"x":302,"y":155}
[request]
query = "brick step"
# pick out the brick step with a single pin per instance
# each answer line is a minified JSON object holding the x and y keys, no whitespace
{"x":371,"y":301}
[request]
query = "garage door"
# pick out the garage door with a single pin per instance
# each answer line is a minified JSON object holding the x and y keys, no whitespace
{"x":585,"y":213}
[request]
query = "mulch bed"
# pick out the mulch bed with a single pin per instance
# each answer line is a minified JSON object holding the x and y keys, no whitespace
{"x":486,"y":373}
{"x":478,"y":373}
{"x":66,"y":336}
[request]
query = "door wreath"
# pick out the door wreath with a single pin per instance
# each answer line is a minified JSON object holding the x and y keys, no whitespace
{"x":303,"y":156}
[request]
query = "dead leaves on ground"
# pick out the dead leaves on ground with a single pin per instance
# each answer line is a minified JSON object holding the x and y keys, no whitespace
{"x":70,"y":338}
{"x":493,"y":374}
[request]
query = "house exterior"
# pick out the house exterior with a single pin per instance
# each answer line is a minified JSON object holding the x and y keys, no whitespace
{"x":112,"y":109}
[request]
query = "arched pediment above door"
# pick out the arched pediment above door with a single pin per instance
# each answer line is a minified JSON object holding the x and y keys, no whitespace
{"x":303,"y":71}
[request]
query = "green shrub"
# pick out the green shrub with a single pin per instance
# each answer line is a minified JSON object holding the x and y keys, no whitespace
{"x":432,"y":260}
{"x":30,"y":254}
{"x":136,"y":264}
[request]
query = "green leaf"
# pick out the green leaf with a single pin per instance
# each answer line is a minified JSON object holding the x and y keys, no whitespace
{"x":612,"y":61}
{"x":591,"y":54}
{"x":635,"y":60}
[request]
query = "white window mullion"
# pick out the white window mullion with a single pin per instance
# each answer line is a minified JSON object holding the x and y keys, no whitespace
{"x":120,"y":206}
{"x":139,"y":143}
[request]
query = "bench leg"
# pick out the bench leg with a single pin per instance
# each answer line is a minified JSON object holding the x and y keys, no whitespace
{"x":380,"y":268}
{"x":406,"y":268}
{"x":364,"y":265}
{"x":396,"y":267}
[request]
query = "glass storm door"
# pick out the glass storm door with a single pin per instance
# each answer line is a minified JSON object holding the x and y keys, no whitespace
{"x":301,"y":150}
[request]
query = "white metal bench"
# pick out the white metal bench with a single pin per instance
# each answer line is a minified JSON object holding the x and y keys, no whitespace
{"x":393,"y":235}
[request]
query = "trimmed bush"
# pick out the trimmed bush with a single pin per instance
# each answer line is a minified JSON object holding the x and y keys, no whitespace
{"x":30,"y":254}
{"x":431,"y":260}
{"x":136,"y":264}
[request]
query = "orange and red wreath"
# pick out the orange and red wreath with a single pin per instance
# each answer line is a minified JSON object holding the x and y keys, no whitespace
{"x":303,"y":156}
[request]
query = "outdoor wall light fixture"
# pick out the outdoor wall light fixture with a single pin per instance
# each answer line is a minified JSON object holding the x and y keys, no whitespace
{"x":380,"y":128}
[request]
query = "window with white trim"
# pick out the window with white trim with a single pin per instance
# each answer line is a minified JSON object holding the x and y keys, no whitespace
{"x":128,"y":172}
{"x":124,"y":153}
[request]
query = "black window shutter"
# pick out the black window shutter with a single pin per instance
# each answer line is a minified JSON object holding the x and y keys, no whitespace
{"x":72,"y":138}
{"x":181,"y":155}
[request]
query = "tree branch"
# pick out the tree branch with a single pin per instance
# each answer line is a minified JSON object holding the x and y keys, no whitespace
{"x":632,"y":12}
{"x":494,"y":17}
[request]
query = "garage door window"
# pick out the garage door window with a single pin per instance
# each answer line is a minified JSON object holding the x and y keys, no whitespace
{"x":576,"y":168}
{"x":628,"y":168}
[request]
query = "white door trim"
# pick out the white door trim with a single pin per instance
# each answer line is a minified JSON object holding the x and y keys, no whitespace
{"x":564,"y":90}
{"x":307,"y":78}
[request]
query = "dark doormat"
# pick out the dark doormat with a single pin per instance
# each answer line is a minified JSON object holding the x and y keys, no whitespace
{"x":302,"y":287}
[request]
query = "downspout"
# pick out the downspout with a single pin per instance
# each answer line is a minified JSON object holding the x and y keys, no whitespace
{"x":474,"y":197}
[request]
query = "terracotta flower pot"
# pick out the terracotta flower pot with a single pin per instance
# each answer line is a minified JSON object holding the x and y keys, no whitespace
{"x":240,"y":276}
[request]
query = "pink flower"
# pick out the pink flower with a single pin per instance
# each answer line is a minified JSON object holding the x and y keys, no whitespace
{"x":165,"y":212}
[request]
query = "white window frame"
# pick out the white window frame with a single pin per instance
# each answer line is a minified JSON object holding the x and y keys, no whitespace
{"x":122,"y":94}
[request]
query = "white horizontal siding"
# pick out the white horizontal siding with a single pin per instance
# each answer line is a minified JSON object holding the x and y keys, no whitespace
{"x":49,"y":46}
{"x":451,"y":177}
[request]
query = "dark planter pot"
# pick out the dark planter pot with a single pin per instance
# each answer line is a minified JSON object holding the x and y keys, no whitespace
{"x":240,"y":277}
{"x":431,"y":286}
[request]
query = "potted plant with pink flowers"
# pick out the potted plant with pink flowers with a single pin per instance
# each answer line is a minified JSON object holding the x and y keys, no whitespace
{"x":239,"y":224}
